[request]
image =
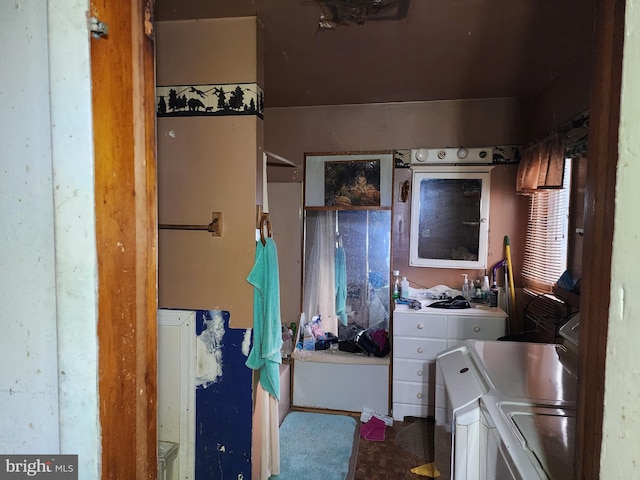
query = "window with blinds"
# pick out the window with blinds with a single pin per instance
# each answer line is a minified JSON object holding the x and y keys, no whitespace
{"x":545,"y":253}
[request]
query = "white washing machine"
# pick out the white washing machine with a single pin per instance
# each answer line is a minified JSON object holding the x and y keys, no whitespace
{"x":510,"y":409}
{"x":526,"y":441}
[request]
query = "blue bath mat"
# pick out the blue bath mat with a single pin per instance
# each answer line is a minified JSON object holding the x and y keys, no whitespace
{"x":316,"y":446}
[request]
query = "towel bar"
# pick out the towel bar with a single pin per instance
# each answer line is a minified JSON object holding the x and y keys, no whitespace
{"x":215,"y":227}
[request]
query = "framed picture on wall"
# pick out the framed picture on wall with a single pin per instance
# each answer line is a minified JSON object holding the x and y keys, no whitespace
{"x":355,"y":183}
{"x":348,"y":180}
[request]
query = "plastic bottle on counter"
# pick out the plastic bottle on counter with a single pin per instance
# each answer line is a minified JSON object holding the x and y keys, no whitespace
{"x":396,"y":284}
{"x":300,"y":335}
{"x":493,"y":295}
{"x":466,"y":292}
{"x":485,"y":289}
{"x":287,"y":342}
{"x":404,"y":290}
{"x":477,"y":289}
{"x":309,"y":341}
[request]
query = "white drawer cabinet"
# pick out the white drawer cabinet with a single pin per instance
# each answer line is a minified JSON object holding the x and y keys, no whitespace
{"x":418,"y":348}
{"x":418,"y":337}
{"x":415,"y":324}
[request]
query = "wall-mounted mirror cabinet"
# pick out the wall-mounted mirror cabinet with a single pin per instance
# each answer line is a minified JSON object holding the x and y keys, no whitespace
{"x":449,"y":217}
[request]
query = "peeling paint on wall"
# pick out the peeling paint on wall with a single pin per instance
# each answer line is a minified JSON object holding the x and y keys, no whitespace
{"x":209,"y":350}
{"x":246,"y":342}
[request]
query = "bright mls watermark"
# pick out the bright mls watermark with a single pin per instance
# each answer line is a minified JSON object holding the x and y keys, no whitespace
{"x":51,"y":467}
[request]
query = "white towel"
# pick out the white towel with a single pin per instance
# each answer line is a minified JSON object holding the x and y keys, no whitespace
{"x":265,"y":436}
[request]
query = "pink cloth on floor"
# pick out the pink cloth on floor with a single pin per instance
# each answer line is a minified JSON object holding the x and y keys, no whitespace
{"x":373,"y":430}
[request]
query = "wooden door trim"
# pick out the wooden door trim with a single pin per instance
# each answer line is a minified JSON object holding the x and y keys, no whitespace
{"x":123,"y":98}
{"x":598,"y":236}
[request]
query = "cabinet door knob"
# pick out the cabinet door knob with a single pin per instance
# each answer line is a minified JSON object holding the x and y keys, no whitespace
{"x":420,"y":350}
{"x":419,"y":373}
{"x":476,"y":329}
{"x":419,"y":395}
{"x":420,"y":326}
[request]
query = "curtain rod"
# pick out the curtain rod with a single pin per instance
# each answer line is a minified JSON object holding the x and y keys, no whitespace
{"x":286,"y":163}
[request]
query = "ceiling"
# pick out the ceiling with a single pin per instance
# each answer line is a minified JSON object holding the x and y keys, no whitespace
{"x":441,"y":50}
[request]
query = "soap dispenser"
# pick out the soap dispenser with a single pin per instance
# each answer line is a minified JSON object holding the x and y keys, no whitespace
{"x":465,"y":287}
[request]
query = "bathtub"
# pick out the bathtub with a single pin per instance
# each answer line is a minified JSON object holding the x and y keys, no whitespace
{"x":336,"y":380}
{"x":285,"y":391}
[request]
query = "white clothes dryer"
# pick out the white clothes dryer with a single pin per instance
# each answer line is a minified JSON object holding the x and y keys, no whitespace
{"x":509,"y":408}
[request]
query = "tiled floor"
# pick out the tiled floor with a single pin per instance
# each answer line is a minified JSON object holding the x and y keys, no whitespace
{"x":386,"y":460}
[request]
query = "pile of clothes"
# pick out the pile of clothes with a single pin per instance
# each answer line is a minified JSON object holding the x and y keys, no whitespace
{"x":375,"y":342}
{"x":374,"y":425}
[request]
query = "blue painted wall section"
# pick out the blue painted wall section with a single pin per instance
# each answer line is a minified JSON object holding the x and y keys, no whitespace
{"x":223,"y":405}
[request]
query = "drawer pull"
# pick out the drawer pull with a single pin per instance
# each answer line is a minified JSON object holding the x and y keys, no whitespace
{"x":420,"y":326}
{"x":420,"y":350}
{"x":419,"y":373}
{"x":419,"y":395}
{"x":476,"y":329}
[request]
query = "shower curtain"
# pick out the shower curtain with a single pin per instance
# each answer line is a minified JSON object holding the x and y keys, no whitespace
{"x":341,"y":284}
{"x":319,"y":284}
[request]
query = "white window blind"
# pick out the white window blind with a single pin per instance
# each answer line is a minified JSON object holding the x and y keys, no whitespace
{"x":545,"y":253}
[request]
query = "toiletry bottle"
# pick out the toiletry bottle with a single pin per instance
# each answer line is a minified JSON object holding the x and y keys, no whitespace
{"x":309,"y":342}
{"x":493,"y":295}
{"x":396,"y":284}
{"x":485,"y":289}
{"x":287,"y":342}
{"x":466,"y":293}
{"x":404,"y":288}
{"x":300,"y":344}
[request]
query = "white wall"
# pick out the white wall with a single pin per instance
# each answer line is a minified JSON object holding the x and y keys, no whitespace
{"x":620,"y":456}
{"x":27,"y":258}
{"x":285,"y":212}
{"x":48,"y":290}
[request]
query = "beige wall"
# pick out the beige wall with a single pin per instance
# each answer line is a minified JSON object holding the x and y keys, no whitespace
{"x":208,"y":164}
{"x":206,"y":51}
{"x":285,"y":207}
{"x":292,"y":132}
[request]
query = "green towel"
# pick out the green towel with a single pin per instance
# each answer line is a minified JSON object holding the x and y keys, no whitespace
{"x":267,"y":330}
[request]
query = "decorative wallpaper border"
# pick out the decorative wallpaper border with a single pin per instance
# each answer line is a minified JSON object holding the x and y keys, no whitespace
{"x":209,"y":100}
